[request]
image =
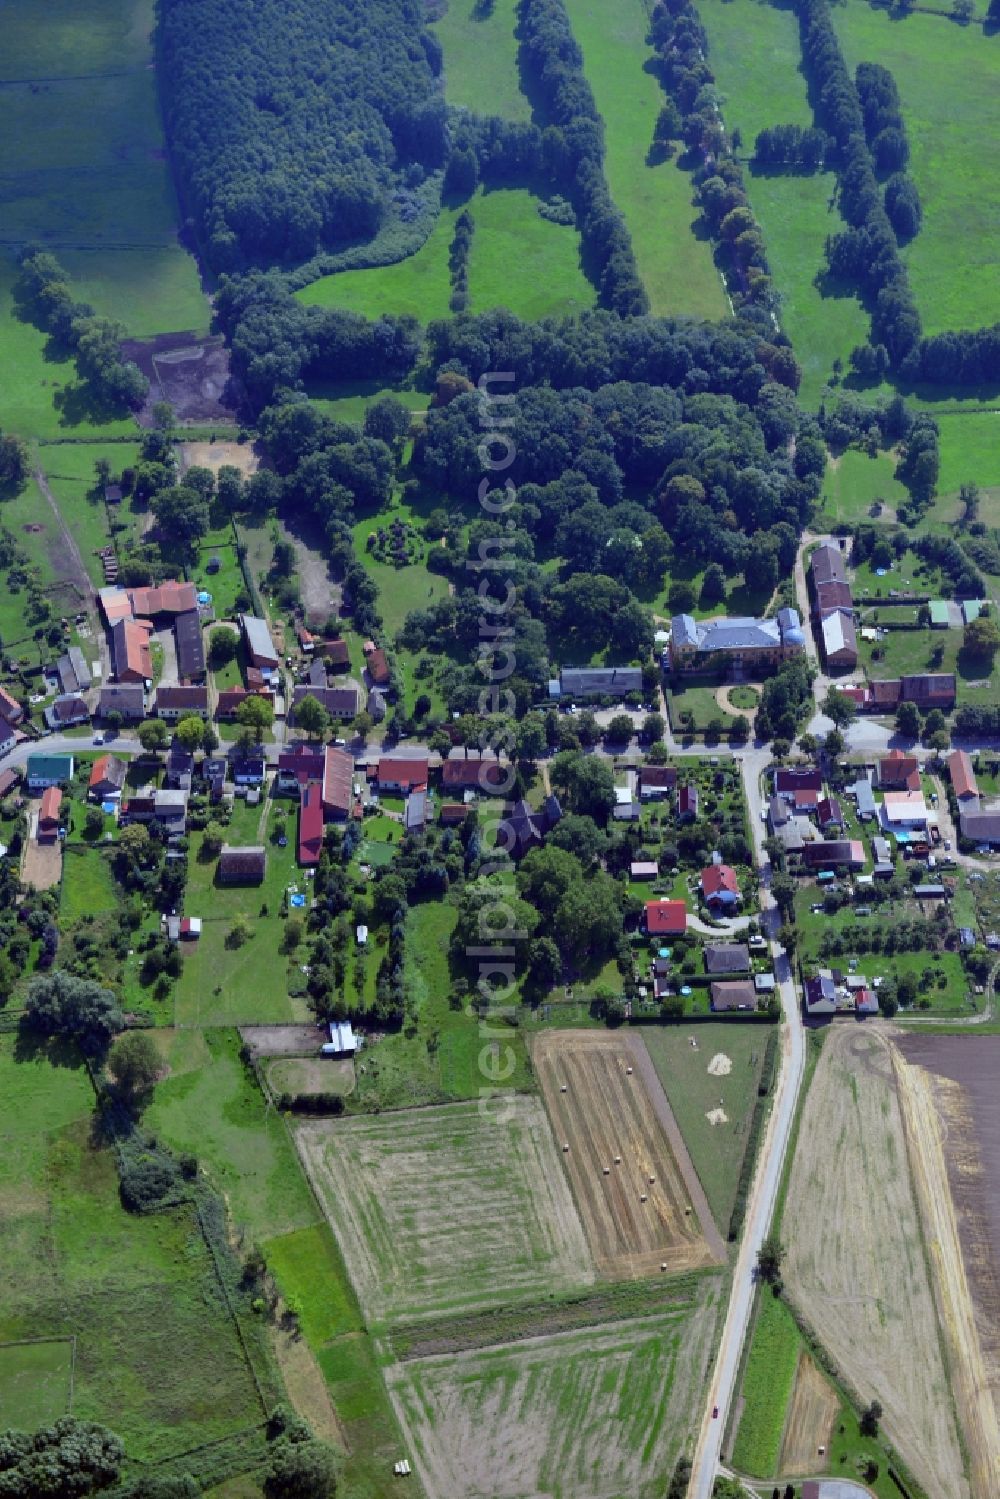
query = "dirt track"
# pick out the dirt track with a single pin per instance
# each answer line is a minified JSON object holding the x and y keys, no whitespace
{"x":927,"y":1104}
{"x":605,"y":1113}
{"x":856,"y":1266}
{"x":809,"y":1422}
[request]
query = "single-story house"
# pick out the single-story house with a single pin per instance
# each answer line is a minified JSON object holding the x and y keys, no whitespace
{"x":242,"y":864}
{"x":821,"y":994}
{"x":655,"y":781}
{"x":403,"y":773}
{"x":213,"y":769}
{"x":48,"y":815}
{"x":249,"y":767}
{"x":452,"y":813}
{"x":777,"y":813}
{"x":190,"y":928}
{"x":764,"y":983}
{"x":173,"y":703}
{"x":903,"y":809}
{"x":627,"y":808}
{"x":665,"y":918}
{"x":475,"y":772}
{"x":378,"y":669}
{"x":229,"y":701}
{"x":107,"y":777}
{"x":48,"y":770}
{"x":180,"y":767}
{"x":720,"y":885}
{"x":833,"y":853}
{"x":798,"y":778}
{"x":341,"y":703}
{"x":597,"y":681}
{"x":727,"y":957}
{"x":64,"y":712}
{"x":643,"y":869}
{"x":883,"y":858}
{"x":963,"y":777}
{"x":733,"y":994}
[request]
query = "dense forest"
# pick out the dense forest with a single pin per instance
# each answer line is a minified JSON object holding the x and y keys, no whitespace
{"x":297,"y":125}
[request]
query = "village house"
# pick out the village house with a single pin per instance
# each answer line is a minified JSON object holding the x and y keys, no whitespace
{"x":48,"y":815}
{"x":720,"y":886}
{"x":341,"y":703}
{"x":656,"y":781}
{"x":733,"y":994}
{"x":829,"y":813}
{"x":580,"y":682}
{"x":963,"y":777}
{"x":477,"y":773}
{"x":903,"y":809}
{"x":821,"y":994}
{"x":261,"y":650}
{"x":833,"y":853}
{"x":107,"y":777}
{"x":249,"y":766}
{"x":310,"y":824}
{"x":174,"y":703}
{"x":402,"y":773}
{"x":664,"y":918}
{"x":687,"y":802}
{"x":127,"y":699}
{"x":64,"y":712}
{"x":48,"y":770}
{"x":10,"y":708}
{"x":728,"y":957}
{"x":898,"y":772}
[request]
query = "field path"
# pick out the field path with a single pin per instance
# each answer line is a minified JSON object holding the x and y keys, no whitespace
{"x":72,"y":565}
{"x":973,"y":1394}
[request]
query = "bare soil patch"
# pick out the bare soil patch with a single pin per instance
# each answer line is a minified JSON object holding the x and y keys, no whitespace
{"x":856,"y":1266}
{"x":191,"y":373}
{"x":640,"y":1210}
{"x":442,"y":1209}
{"x":720,"y":1065}
{"x":216,"y":455}
{"x":42,"y":865}
{"x":320,"y":595}
{"x":952,"y":1111}
{"x":809,"y":1423}
{"x":282,"y":1040}
{"x":307,"y":1388}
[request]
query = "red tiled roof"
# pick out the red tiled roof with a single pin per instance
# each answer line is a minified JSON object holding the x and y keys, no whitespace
{"x":963,"y":777}
{"x":130,"y":649}
{"x":666,"y":918}
{"x":658,"y":775}
{"x":378,"y":667}
{"x":310,"y":824}
{"x":10,"y":708}
{"x":476,"y":773}
{"x":229,"y":701}
{"x":51,"y":802}
{"x":453,"y":812}
{"x":717,"y":878}
{"x":806,"y":777}
{"x":172,"y":597}
{"x":687,"y":799}
{"x":897,"y":769}
{"x":403,"y":771}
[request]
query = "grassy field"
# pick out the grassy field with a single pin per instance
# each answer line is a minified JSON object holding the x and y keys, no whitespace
{"x":438,"y":1210}
{"x":210,"y":1105}
{"x":970,"y":451}
{"x":674,"y":262}
{"x":716,"y":1150}
{"x":755,"y":54}
{"x":518,"y":260}
{"x":915,"y":650}
{"x":85,"y":174}
{"x":401,"y":589}
{"x":69,"y":469}
{"x":948,"y":78}
{"x":767,"y":1387}
{"x":603,"y":1410}
{"x":34,"y":1383}
{"x":480,"y":58}
{"x":854,"y":482}
{"x":158,"y":1358}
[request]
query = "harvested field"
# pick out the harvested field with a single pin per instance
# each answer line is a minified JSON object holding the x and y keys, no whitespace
{"x":950,"y":1105}
{"x":447,"y":1208}
{"x":809,"y":1423}
{"x":598,"y":1412}
{"x":216,"y":455}
{"x":640,"y":1200}
{"x":856,"y":1266}
{"x":191,"y":373}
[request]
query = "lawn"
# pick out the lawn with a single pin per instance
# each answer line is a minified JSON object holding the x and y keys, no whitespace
{"x":480,"y":58}
{"x":221,"y":985}
{"x":767,"y":1387}
{"x":970,"y":452}
{"x":906,"y":651}
{"x":518,"y":260}
{"x":349,"y":400}
{"x":755,"y":55}
{"x":854,"y":483}
{"x":716,"y":1150}
{"x":675,"y":262}
{"x":158,"y":1358}
{"x":948,"y":78}
{"x":88,"y":885}
{"x":401,"y":590}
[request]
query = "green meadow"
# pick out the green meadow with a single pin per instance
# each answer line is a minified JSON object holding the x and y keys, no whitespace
{"x":480,"y":58}
{"x":518,"y":260}
{"x":767,"y":1386}
{"x":675,"y":264}
{"x":755,"y":54}
{"x":854,"y":483}
{"x":948,"y":78}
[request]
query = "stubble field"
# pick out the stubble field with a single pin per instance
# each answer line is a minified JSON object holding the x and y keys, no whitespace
{"x":444,"y":1209}
{"x":591,"y":1414}
{"x":606,"y":1103}
{"x":809,"y":1422}
{"x":856,"y":1266}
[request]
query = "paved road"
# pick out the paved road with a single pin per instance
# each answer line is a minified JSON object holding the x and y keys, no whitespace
{"x":769,"y":1168}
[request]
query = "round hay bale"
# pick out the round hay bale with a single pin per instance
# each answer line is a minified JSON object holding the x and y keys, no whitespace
{"x":663,"y":1264}
{"x":642,"y":1197}
{"x":605,"y":1170}
{"x":652,"y":1180}
{"x":618,"y":1160}
{"x":628,"y":1072}
{"x":562,"y":1087}
{"x":565,"y":1146}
